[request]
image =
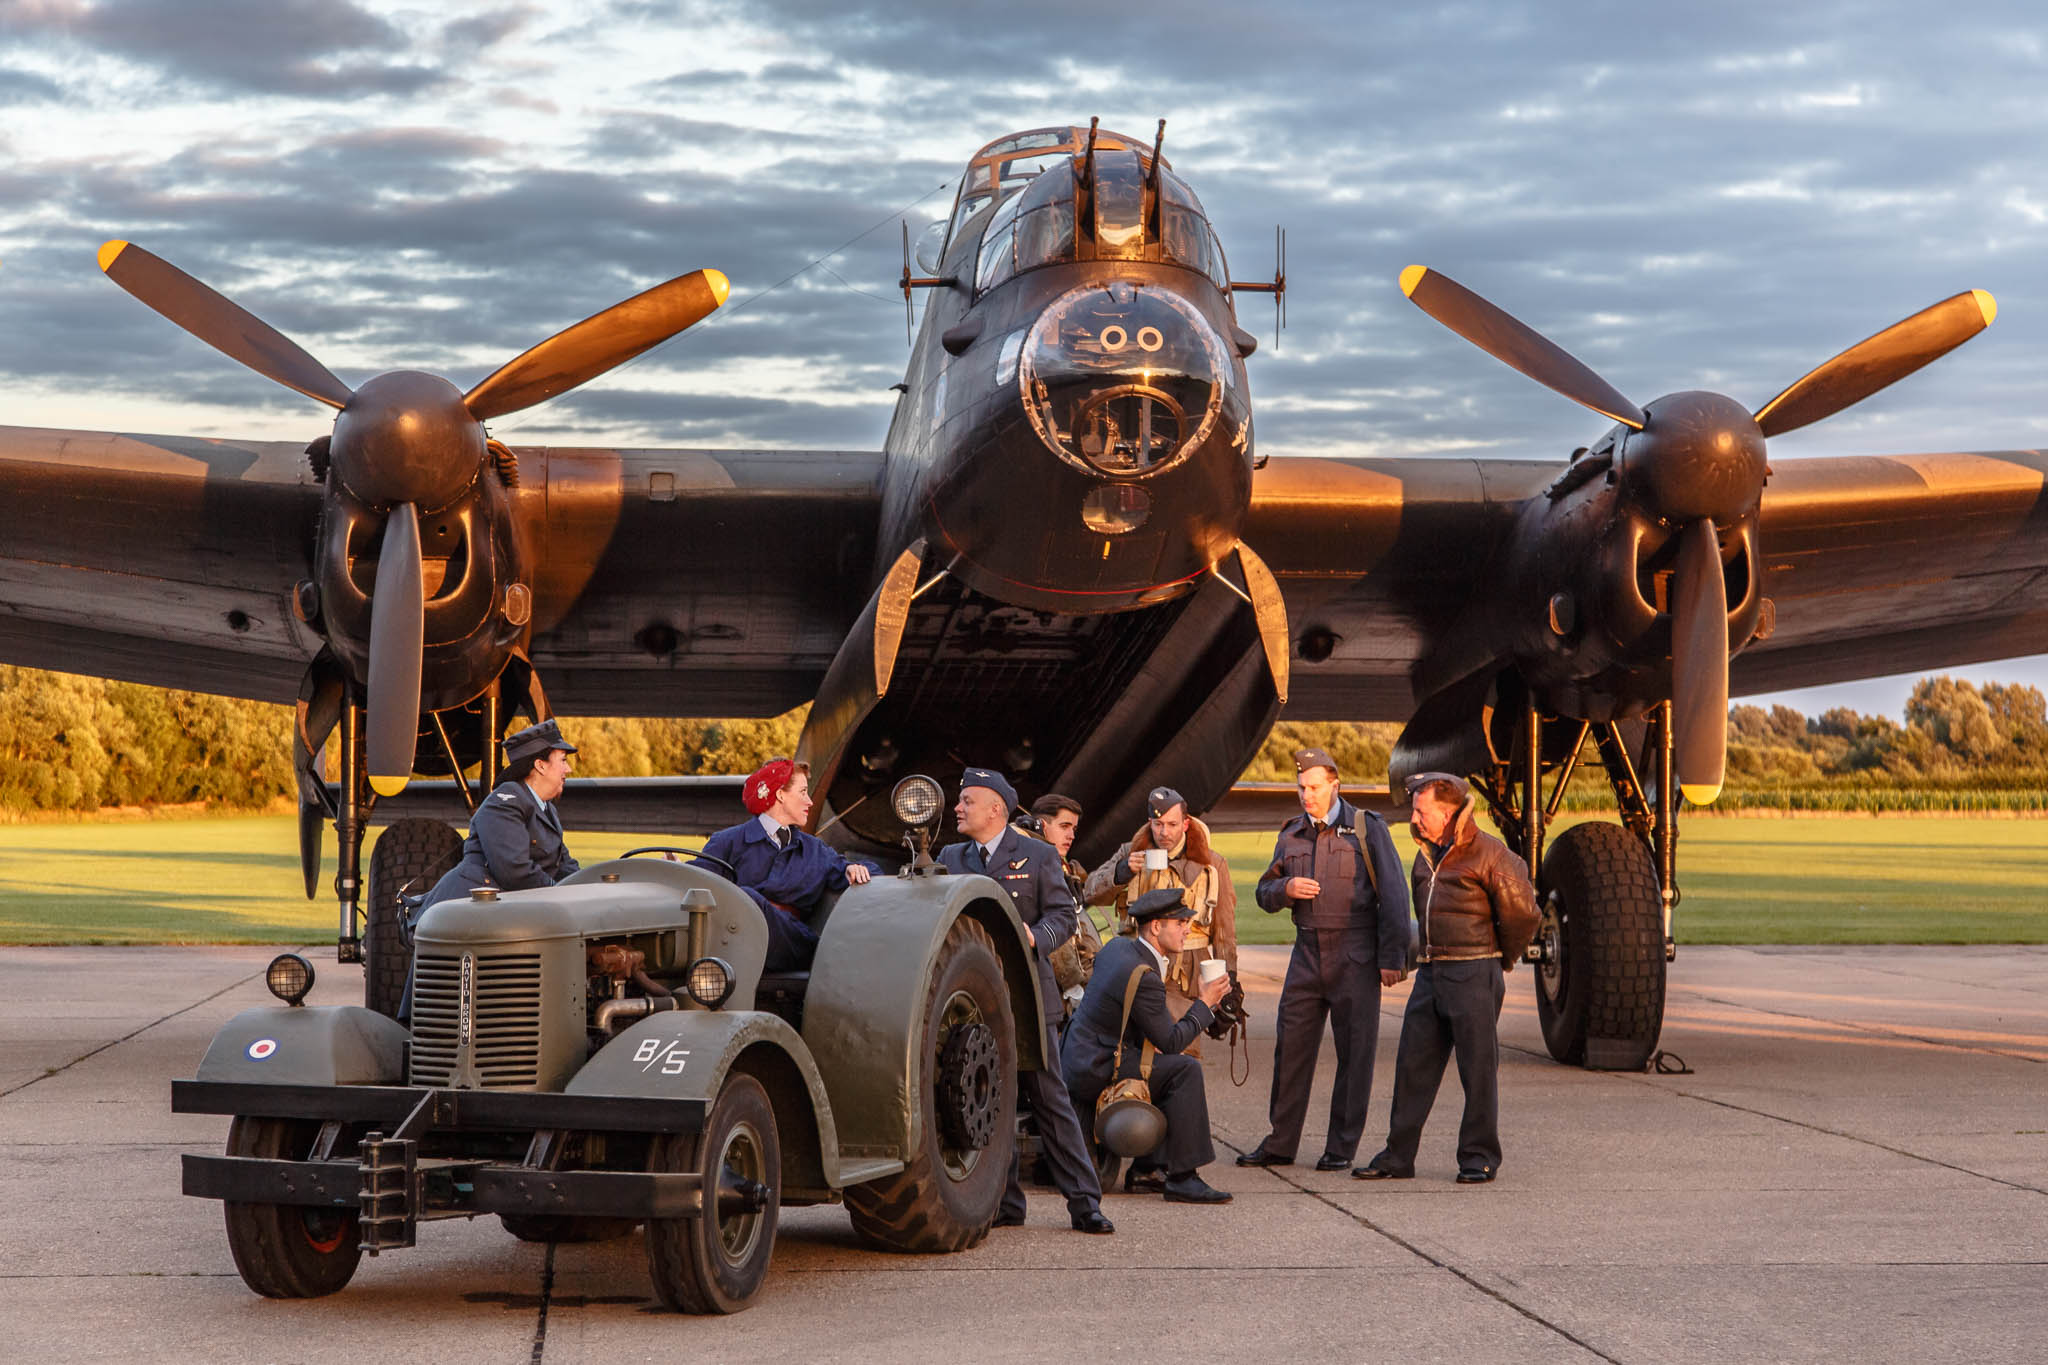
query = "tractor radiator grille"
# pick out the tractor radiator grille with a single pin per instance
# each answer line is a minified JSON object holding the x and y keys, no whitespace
{"x":505,"y":1019}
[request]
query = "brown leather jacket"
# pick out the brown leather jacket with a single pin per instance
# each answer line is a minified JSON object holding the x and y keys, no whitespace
{"x":1475,"y":903}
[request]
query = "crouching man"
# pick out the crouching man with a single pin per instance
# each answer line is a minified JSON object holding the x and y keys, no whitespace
{"x":1103,"y":1028}
{"x":1477,"y":912}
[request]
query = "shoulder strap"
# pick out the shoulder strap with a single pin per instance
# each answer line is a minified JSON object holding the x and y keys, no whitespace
{"x":1130,"y":998}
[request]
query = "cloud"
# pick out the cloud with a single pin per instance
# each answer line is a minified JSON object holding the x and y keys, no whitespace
{"x":305,"y":48}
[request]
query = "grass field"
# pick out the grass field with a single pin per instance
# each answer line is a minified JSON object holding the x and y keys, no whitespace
{"x":1826,"y":879}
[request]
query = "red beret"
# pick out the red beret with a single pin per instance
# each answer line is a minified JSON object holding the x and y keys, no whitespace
{"x":767,"y":780}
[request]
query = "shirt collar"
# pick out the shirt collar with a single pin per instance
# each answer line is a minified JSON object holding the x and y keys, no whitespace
{"x":1157,"y":956}
{"x":988,"y":849}
{"x":769,"y":827}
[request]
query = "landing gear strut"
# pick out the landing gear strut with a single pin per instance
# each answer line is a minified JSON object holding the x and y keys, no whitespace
{"x":1606,"y":890}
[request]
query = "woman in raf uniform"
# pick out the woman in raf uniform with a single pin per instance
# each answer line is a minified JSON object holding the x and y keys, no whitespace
{"x":515,"y":837}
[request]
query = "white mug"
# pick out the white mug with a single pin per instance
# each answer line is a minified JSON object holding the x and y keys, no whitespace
{"x":1212,"y":969}
{"x":1155,"y":860}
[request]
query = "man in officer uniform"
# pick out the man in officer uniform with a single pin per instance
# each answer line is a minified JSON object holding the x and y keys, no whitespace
{"x":787,"y":871}
{"x":1090,"y":1054}
{"x":1335,"y":867}
{"x":515,"y":836}
{"x":1029,"y":869}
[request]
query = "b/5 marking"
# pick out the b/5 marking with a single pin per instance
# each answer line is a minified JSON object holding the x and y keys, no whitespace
{"x":670,"y":1058}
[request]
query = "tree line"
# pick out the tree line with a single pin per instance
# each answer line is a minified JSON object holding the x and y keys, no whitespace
{"x":80,"y":744}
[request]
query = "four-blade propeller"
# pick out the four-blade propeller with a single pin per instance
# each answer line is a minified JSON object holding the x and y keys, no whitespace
{"x":1698,"y":462}
{"x":405,"y":442}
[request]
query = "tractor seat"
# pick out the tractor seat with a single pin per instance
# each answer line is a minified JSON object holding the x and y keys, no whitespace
{"x":782,"y":993}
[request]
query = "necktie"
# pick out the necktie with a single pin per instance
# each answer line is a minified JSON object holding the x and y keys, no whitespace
{"x":782,"y":837}
{"x":977,"y":859}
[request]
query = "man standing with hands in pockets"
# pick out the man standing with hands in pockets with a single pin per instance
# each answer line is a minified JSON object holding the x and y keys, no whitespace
{"x":1334,"y":866}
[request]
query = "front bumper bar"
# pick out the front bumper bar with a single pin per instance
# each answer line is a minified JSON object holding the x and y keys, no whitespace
{"x":498,"y":1110}
{"x":392,"y":1186}
{"x":456,"y":1189}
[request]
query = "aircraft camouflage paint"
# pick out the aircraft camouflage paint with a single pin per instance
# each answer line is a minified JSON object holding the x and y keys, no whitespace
{"x":1067,"y":561}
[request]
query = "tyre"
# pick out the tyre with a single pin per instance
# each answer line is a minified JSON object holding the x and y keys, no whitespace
{"x":408,"y":851}
{"x":559,"y":1227}
{"x":288,"y":1251}
{"x":716,"y":1263}
{"x":1600,"y":988}
{"x":946,"y":1196}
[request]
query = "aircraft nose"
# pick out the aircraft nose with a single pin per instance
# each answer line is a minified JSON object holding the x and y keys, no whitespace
{"x":1126,"y":379}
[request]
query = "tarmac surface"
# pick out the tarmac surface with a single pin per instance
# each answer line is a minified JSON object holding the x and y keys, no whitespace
{"x":1855,"y":1169}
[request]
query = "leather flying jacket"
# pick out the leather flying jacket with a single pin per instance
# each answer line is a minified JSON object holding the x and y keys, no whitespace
{"x":1476,"y":901}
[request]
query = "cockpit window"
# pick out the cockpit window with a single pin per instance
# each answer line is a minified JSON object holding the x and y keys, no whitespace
{"x":1011,"y":163}
{"x":1038,"y":228}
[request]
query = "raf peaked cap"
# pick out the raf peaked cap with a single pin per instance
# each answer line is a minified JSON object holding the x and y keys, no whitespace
{"x":994,"y":781}
{"x":535,"y":741}
{"x":1165,"y":903}
{"x":1415,"y":782}
{"x":1314,"y":758}
{"x":1164,"y":799}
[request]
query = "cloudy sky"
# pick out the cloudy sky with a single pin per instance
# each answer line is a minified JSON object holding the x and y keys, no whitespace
{"x":1686,"y":195}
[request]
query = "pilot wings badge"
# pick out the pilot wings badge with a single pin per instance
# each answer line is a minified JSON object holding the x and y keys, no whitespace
{"x":1019,"y":863}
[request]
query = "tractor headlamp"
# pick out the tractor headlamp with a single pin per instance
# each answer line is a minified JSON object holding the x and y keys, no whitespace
{"x":709,"y":982}
{"x":289,"y":977}
{"x":917,"y":800}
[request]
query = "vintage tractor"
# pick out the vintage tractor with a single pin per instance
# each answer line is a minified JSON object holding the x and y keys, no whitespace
{"x":608,"y":1052}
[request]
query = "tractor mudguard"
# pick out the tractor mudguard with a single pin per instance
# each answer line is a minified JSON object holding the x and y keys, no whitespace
{"x":864,"y":1008}
{"x":307,"y":1045}
{"x":687,"y":1055}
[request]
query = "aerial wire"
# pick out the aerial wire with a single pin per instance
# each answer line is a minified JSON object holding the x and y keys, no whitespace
{"x":758,"y":295}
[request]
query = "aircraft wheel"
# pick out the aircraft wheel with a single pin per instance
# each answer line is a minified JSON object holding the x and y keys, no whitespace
{"x":287,"y":1251}
{"x":947,"y":1196}
{"x":1600,"y":985}
{"x":715,"y":1263}
{"x":405,"y":851}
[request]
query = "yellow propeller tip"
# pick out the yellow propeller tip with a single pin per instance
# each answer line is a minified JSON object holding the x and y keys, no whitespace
{"x":110,"y":252}
{"x":720,"y":286}
{"x":1699,"y":793}
{"x":1411,"y":277}
{"x":1986,"y":305}
{"x":387,"y":786}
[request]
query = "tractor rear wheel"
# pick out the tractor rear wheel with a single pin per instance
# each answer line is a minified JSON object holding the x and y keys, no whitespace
{"x":946,"y":1197}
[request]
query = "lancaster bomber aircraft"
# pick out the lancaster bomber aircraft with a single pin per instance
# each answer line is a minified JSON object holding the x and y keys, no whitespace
{"x":1070,"y":559}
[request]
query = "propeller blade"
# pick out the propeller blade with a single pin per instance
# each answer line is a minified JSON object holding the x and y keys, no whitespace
{"x":1699,"y":663}
{"x":580,"y":353}
{"x":398,"y":615}
{"x":1515,"y":344}
{"x":227,"y":327}
{"x":1879,"y":361}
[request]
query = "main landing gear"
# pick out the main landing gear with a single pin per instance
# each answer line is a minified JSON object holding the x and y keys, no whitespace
{"x":1606,"y":890}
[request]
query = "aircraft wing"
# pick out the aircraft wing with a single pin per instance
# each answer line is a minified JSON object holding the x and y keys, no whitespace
{"x":1897,"y":563}
{"x":673,"y":582}
{"x":1874,"y":565}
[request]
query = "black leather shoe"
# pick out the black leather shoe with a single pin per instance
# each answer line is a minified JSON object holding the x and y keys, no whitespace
{"x":1008,"y":1220}
{"x":1144,"y":1182}
{"x":1192,"y":1189}
{"x":1259,"y":1156}
{"x":1473,"y":1177}
{"x":1379,"y":1173}
{"x":1327,"y":1162}
{"x":1093,"y":1221}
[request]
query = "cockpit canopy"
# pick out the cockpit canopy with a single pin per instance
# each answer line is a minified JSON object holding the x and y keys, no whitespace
{"x":1044,"y":215}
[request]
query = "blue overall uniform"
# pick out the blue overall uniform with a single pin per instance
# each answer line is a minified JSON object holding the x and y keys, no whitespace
{"x":788,"y":878}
